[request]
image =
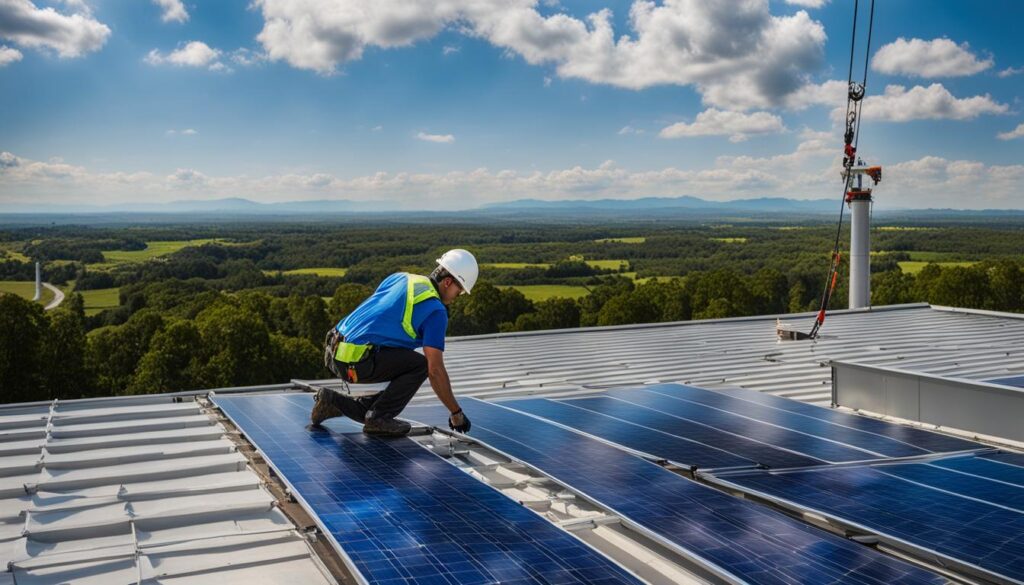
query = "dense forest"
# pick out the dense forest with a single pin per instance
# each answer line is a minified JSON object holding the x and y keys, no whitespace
{"x":214,"y":306}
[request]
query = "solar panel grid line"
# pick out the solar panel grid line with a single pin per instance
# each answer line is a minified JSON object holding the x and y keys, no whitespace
{"x":810,"y":422}
{"x":739,"y":537}
{"x":983,"y":466}
{"x":535,"y":408}
{"x":435,"y":534}
{"x":716,"y":397}
{"x":768,"y":455}
{"x":981,"y":537}
{"x":931,"y":441}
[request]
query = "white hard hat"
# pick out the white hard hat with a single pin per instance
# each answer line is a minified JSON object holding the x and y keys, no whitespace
{"x":461,"y":265}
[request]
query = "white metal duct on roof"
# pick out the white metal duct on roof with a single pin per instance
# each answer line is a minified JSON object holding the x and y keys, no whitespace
{"x":137,"y":490}
{"x":740,"y":352}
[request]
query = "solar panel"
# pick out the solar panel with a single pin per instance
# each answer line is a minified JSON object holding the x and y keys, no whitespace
{"x":961,"y":509}
{"x":1015,"y":381}
{"x":768,"y":445}
{"x":739,"y":540}
{"x":932,"y":442}
{"x":404,"y":516}
{"x":681,"y":442}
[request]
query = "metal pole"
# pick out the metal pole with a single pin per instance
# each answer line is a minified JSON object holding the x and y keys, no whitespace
{"x":860,"y":252}
{"x":39,"y":283}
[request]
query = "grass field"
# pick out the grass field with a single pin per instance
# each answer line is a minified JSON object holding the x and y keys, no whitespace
{"x":153,"y":250}
{"x":632,"y":240}
{"x":25,"y":290}
{"x":902,"y":228}
{"x":13,"y":255}
{"x":912,"y":267}
{"x":543,"y":292}
{"x":731,"y":240}
{"x":607,"y":264}
{"x":321,"y":271}
{"x":100,"y":299}
{"x":514,"y":265}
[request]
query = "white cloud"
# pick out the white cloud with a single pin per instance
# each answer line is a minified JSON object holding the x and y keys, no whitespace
{"x":69,"y":35}
{"x":810,"y":171}
{"x":173,"y":10}
{"x":736,"y":54}
{"x":1010,"y":71}
{"x":193,"y":54}
{"x":808,"y":3}
{"x":935,"y":102}
{"x":1017,"y":132}
{"x":440,"y":138}
{"x":9,"y":55}
{"x":547,"y":81}
{"x":629,"y":130}
{"x":737,"y":125}
{"x":934,"y":58}
{"x":449,"y":49}
{"x":247,"y":58}
{"x":185,"y":132}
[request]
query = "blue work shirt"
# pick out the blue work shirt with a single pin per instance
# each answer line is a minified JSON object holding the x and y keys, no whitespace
{"x":378,"y":320}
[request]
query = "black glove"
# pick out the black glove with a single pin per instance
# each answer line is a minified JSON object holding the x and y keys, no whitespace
{"x":464,"y":424}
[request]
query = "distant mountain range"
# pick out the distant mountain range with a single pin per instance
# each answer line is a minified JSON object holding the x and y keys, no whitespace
{"x":763,"y":204}
{"x":646,"y":208}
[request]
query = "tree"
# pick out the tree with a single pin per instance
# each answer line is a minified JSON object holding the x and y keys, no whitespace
{"x":628,"y":308}
{"x":771,"y":291}
{"x":486,"y":309}
{"x":308,"y":316}
{"x":1007,"y":285}
{"x":65,"y":349}
{"x":892,"y":288}
{"x":235,"y":348}
{"x":113,"y":353}
{"x":346,"y":298}
{"x":172,"y":363}
{"x":959,"y":286}
{"x":293,"y":357}
{"x":554,"y":313}
{"x":23,"y":331}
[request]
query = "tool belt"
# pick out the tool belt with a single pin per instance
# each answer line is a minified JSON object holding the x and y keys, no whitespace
{"x":336,"y":349}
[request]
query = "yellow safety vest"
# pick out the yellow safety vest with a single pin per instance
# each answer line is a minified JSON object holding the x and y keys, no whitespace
{"x":418,"y":289}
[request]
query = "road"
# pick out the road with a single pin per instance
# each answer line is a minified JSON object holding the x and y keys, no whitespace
{"x":58,"y":297}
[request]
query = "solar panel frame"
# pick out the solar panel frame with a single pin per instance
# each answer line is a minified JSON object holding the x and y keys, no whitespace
{"x":661,"y":504}
{"x":918,"y":534}
{"x":356,"y":551}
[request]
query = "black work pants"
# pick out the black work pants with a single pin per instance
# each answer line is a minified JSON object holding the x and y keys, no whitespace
{"x":405,"y":369}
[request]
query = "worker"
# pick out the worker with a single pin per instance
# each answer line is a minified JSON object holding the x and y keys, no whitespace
{"x":377,"y":342}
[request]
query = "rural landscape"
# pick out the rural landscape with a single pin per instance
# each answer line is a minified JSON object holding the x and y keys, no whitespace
{"x":152,"y":309}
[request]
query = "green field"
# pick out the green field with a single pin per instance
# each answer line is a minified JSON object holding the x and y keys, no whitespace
{"x":100,"y":299}
{"x":543,"y":292}
{"x":912,"y":267}
{"x":153,"y":250}
{"x":631,"y":240}
{"x":13,"y":255}
{"x":321,"y":271}
{"x":514,"y":265}
{"x":608,"y":264}
{"x":25,"y":290}
{"x":731,"y":240}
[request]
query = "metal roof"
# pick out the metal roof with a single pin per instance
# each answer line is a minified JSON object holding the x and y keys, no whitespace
{"x":138,"y":490}
{"x":739,"y":352}
{"x":153,"y":489}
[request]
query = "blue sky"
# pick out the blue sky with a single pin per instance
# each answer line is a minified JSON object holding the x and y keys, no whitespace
{"x":448,"y":105}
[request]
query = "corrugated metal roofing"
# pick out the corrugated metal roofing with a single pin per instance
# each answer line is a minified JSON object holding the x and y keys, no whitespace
{"x":151,"y":489}
{"x":137,"y":490}
{"x":741,"y":352}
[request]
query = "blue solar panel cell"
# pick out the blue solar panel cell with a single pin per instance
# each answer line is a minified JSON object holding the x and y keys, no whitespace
{"x":779,"y":437}
{"x":737,"y":539}
{"x":995,"y":466}
{"x":1015,"y":381}
{"x":932,"y":442}
{"x":681,"y":450}
{"x":815,"y":426}
{"x":699,"y":430}
{"x":404,"y":516}
{"x":969,"y":520}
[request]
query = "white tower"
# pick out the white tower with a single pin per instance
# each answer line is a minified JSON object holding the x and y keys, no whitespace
{"x":39,"y":283}
{"x":859,"y":199}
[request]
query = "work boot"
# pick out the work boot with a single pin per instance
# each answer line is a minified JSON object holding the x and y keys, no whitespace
{"x":391,"y":427}
{"x":323,"y":408}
